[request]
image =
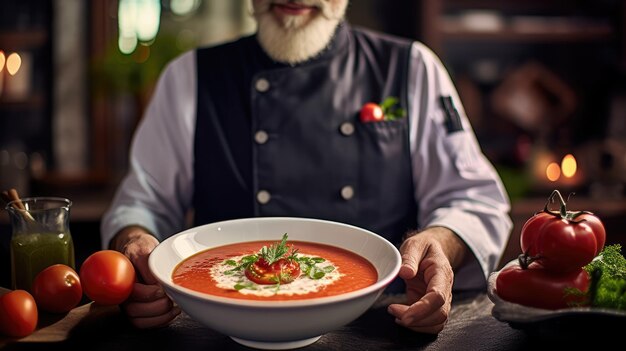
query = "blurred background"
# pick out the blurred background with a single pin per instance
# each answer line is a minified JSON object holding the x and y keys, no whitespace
{"x":543,"y":82}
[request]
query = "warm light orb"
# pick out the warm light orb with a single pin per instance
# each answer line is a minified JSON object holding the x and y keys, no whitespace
{"x":553,"y":172}
{"x":568,"y":165}
{"x":2,"y":60}
{"x":14,"y":61}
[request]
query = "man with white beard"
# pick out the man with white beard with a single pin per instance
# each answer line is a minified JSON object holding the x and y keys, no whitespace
{"x":278,"y":113}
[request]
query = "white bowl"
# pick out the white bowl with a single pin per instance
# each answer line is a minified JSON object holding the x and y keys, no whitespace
{"x":275,"y":324}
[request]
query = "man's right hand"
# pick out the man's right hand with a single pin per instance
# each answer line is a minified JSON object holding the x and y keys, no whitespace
{"x":148,"y":306}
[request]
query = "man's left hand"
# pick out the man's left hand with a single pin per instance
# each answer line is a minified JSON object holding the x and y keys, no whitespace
{"x":427,"y":261}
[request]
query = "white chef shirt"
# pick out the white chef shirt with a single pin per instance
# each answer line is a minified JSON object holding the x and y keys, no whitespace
{"x":455,"y":185}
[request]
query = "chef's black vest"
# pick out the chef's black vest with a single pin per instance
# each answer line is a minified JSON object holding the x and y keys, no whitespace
{"x":315,"y":146}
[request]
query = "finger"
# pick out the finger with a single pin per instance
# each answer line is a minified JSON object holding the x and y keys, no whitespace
{"x":437,"y":294}
{"x":145,"y":293}
{"x":432,"y":329}
{"x":435,"y":319}
{"x":411,"y":253}
{"x":397,"y":310}
{"x":409,"y":266}
{"x":144,"y":270}
{"x":429,"y":304}
{"x":148,"y":309}
{"x":432,"y":324}
{"x":138,"y":251}
{"x":405,"y":318}
{"x":157,"y":321}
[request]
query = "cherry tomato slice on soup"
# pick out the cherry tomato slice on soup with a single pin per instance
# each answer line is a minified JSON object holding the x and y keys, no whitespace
{"x":282,"y":271}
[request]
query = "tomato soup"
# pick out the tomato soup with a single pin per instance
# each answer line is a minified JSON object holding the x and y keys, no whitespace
{"x":326,"y":271}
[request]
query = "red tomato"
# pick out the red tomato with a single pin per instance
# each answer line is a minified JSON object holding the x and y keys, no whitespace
{"x":531,"y":228}
{"x":537,"y":287}
{"x":57,"y":289}
{"x":107,"y":277}
{"x":562,"y":241}
{"x":283,"y":271}
{"x":371,"y":112}
{"x":565,"y":245}
{"x":18,"y":314}
{"x":595,"y":225}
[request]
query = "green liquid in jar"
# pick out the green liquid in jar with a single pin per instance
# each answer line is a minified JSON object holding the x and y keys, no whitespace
{"x":31,"y":253}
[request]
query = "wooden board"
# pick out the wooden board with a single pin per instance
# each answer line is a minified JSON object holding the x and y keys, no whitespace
{"x":58,"y":327}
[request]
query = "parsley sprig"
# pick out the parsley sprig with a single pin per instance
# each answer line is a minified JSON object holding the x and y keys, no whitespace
{"x":270,"y":254}
{"x":242,"y":265}
{"x":276,"y":251}
{"x":310,"y":267}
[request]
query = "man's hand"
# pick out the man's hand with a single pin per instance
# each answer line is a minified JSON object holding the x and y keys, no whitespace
{"x":428,"y":259}
{"x":147,"y":306}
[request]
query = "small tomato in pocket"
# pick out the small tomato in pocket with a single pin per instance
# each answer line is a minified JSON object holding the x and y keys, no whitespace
{"x":371,"y":112}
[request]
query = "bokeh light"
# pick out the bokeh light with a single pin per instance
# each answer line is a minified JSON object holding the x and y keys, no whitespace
{"x":553,"y":172}
{"x":3,"y":59}
{"x":14,"y":61}
{"x":138,"y":21}
{"x":568,"y":165}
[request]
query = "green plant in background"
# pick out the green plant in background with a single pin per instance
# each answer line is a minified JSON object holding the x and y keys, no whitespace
{"x":516,"y":181}
{"x":136,"y":73}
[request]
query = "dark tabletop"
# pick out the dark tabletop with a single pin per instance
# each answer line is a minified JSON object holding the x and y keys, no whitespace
{"x":471,"y":326}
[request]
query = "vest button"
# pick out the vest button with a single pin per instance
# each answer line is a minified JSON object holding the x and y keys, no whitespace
{"x":262,"y":85}
{"x":263,"y":197}
{"x":261,"y":137}
{"x":347,"y":192}
{"x":346,"y":128}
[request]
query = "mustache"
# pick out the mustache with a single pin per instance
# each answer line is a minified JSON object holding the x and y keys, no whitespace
{"x":322,"y":5}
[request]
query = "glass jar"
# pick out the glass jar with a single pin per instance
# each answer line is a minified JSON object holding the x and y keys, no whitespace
{"x":41,"y":237}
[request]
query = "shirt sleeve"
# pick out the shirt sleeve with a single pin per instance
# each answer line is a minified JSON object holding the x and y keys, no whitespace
{"x":157,"y":191}
{"x":455,"y":185}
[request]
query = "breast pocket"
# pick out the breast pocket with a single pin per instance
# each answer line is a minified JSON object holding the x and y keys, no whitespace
{"x":388,"y":137}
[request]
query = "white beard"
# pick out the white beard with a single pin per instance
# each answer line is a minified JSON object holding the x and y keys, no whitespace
{"x":294,"y":40}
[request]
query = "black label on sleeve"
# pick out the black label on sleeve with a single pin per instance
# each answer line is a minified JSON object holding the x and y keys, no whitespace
{"x":452,"y":118}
